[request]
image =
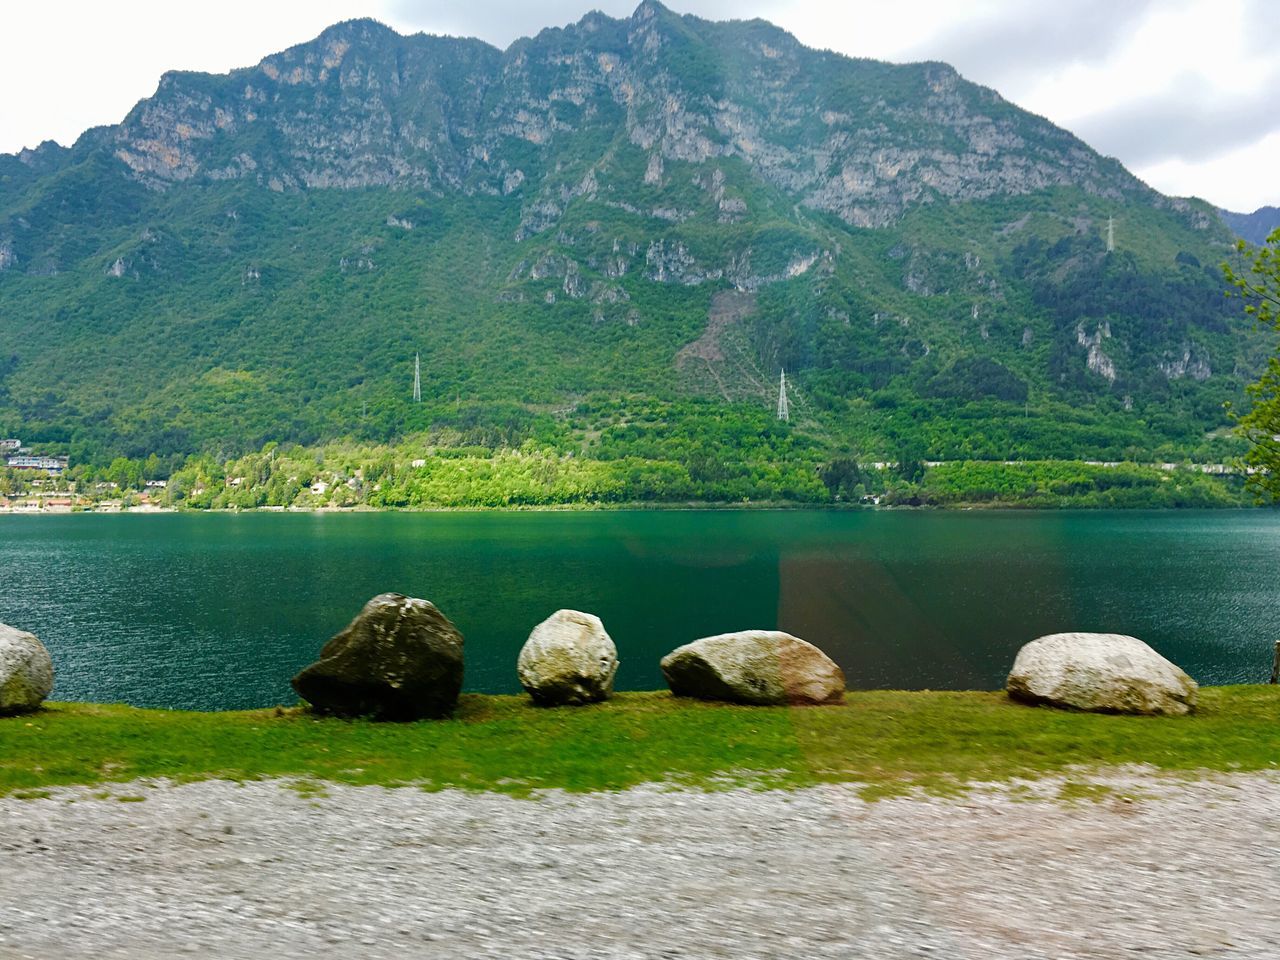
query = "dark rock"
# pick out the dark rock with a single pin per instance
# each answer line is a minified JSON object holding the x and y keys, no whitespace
{"x":399,"y":659}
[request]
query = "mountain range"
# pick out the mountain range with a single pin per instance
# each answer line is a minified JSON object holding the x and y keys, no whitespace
{"x":608,"y":239}
{"x":1252,"y":227}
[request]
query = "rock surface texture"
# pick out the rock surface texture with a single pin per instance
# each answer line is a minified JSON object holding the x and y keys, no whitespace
{"x":399,"y":659}
{"x":754,"y":666}
{"x":568,"y":659}
{"x":1101,"y":672}
{"x":26,"y":671}
{"x":774,"y":107}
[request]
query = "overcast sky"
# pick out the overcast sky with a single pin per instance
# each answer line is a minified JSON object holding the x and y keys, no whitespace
{"x":1185,"y":92}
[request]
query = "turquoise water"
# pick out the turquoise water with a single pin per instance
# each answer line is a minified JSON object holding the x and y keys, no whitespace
{"x":218,"y":611}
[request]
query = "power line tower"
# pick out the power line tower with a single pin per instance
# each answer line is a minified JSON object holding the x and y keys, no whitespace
{"x":1111,"y":234}
{"x":784,"y":408}
{"x":417,"y":379}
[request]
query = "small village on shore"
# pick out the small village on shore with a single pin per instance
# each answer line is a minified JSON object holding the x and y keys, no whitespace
{"x":36,"y":482}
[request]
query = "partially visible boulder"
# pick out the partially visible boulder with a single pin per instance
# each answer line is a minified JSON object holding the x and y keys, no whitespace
{"x":399,"y":659}
{"x":568,"y":659}
{"x":756,"y":667}
{"x":26,"y":671}
{"x":1101,"y":672}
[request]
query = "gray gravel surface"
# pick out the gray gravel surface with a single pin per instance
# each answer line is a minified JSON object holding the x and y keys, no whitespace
{"x":1156,"y":868}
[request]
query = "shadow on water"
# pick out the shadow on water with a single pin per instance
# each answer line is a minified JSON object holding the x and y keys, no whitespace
{"x":218,"y":611}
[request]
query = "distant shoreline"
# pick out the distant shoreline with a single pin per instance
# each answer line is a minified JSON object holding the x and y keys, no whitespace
{"x":780,"y":505}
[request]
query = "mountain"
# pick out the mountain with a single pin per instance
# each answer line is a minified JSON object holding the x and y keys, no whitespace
{"x":1254,"y":227}
{"x":608,"y":239}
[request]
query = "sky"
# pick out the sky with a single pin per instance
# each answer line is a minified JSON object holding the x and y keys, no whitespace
{"x":1186,"y":93}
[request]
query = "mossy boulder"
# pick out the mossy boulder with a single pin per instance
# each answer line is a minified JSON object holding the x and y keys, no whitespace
{"x":755,"y":667}
{"x":568,"y":659}
{"x":399,"y":659}
{"x":1102,"y":673}
{"x":26,"y":671}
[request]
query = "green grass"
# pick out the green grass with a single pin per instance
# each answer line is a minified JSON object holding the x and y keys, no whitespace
{"x":888,"y":741}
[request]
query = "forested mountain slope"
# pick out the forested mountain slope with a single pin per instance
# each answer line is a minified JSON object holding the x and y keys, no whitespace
{"x":608,"y":238}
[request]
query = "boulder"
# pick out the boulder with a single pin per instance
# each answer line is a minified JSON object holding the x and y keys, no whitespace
{"x":26,"y":671}
{"x":568,"y":659}
{"x":754,"y":666}
{"x":1101,"y":672}
{"x":399,"y":659}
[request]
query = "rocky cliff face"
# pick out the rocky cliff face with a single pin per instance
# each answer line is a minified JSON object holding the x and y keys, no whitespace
{"x":581,"y":111}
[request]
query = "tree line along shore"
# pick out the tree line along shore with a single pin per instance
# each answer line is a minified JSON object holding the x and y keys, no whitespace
{"x":428,"y":477}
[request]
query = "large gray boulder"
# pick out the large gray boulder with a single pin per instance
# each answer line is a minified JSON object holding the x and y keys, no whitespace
{"x":1101,"y":672}
{"x":399,"y":659}
{"x":568,"y":659}
{"x":756,"y":667}
{"x":26,"y":671}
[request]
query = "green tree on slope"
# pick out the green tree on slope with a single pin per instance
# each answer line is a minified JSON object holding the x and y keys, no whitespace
{"x":1257,"y":282}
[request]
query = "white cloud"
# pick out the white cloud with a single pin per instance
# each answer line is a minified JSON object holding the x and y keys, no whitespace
{"x":69,"y":65}
{"x":1235,"y":177}
{"x":1182,"y":91}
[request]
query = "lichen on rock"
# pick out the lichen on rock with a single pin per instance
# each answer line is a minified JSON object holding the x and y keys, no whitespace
{"x":399,"y":659}
{"x":26,"y":671}
{"x":754,"y":666}
{"x":1102,"y":673}
{"x":568,"y":659}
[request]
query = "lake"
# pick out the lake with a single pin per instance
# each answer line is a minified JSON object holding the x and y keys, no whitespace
{"x":218,"y":611}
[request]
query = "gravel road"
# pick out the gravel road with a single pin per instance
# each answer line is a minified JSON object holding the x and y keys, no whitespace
{"x":1156,"y":868}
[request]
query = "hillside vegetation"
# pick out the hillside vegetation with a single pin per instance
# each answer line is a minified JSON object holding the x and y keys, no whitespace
{"x":605,"y":243}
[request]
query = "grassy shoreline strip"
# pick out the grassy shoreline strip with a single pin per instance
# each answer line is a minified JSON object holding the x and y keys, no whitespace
{"x":889,"y":741}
